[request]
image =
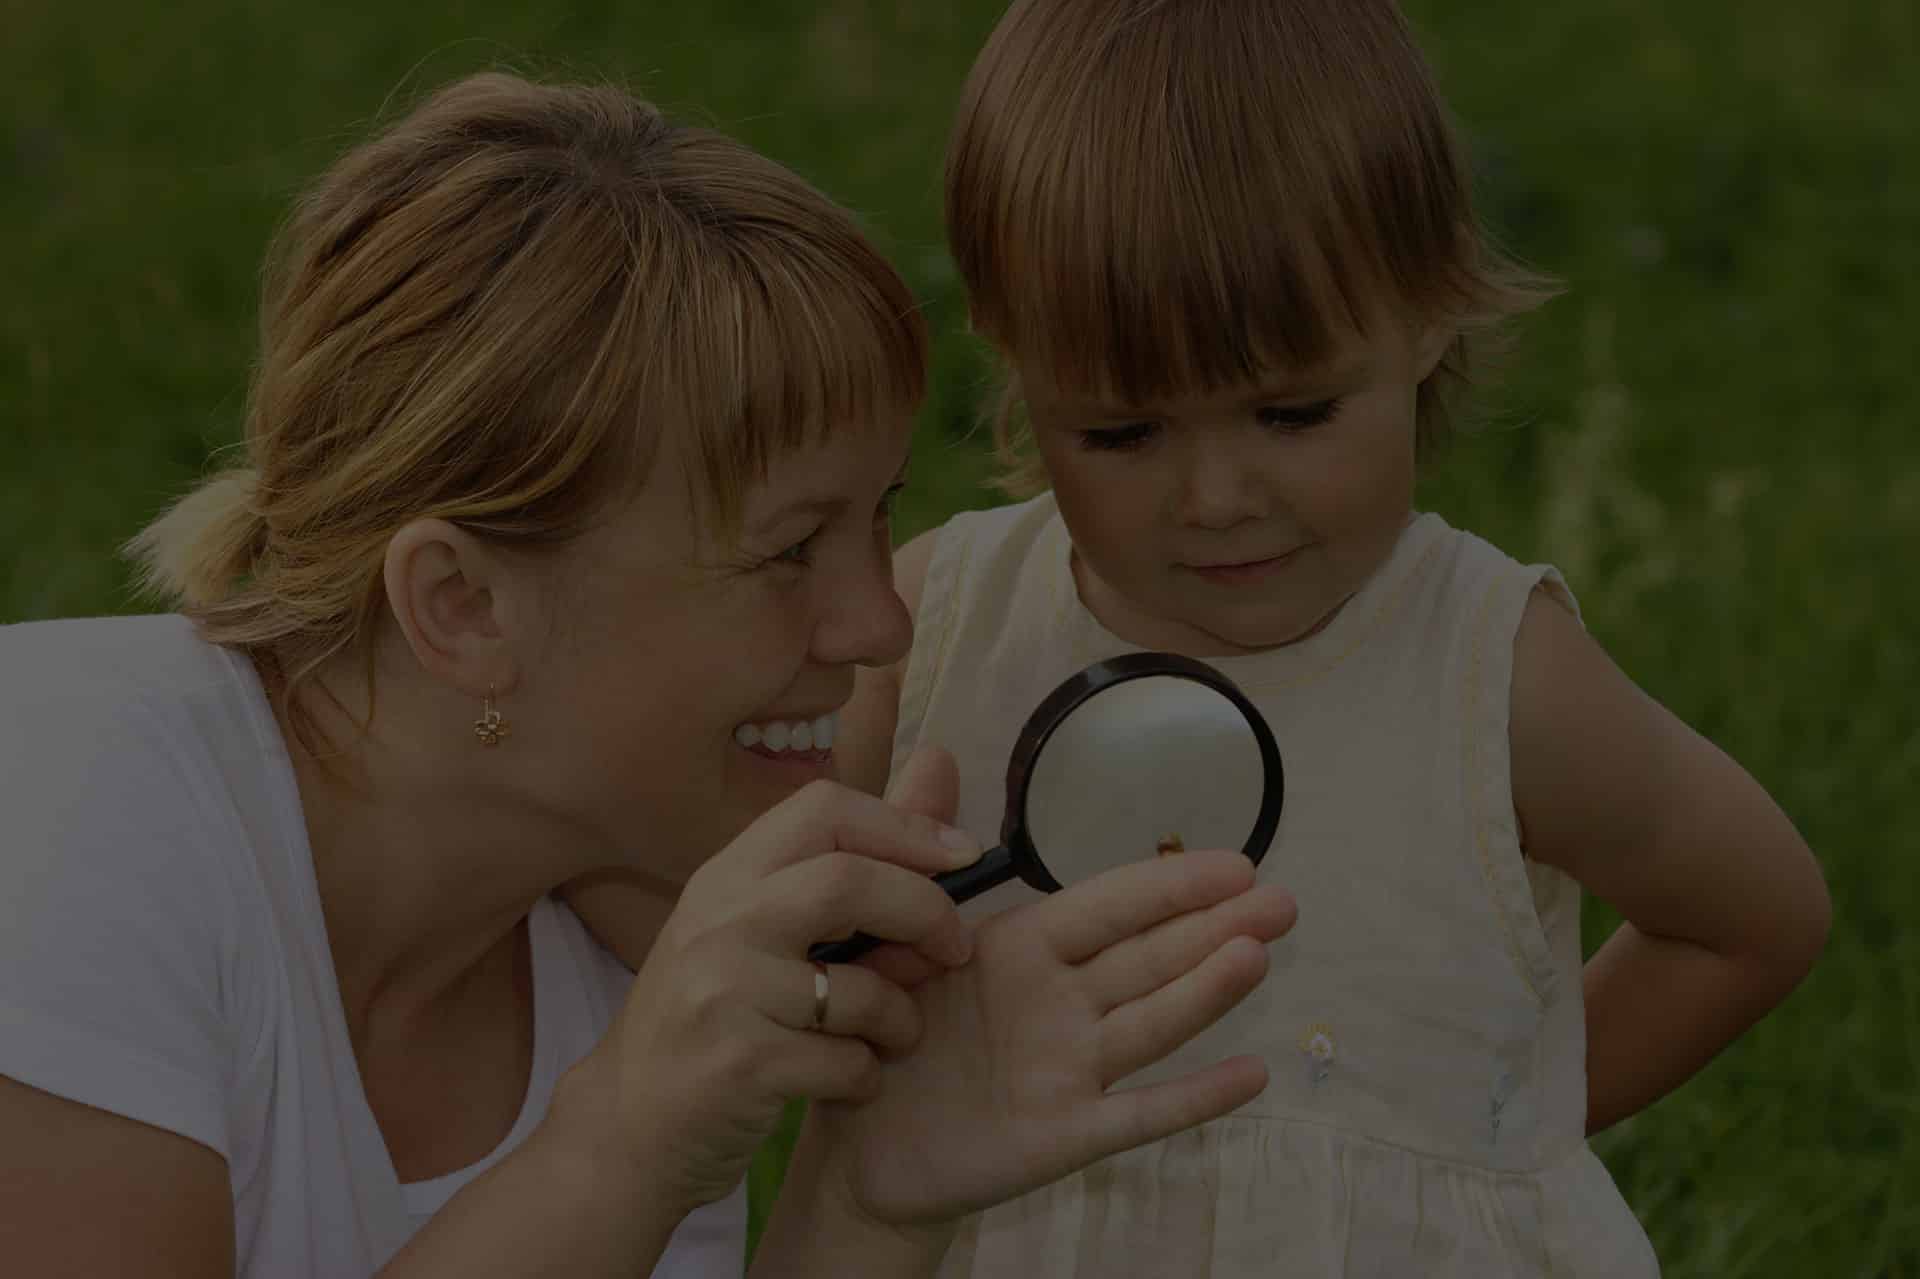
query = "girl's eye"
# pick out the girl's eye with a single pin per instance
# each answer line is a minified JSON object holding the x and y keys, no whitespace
{"x":1119,"y":438}
{"x":885,"y":512}
{"x":1299,"y":417}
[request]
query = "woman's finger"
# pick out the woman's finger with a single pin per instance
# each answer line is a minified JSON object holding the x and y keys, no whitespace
{"x":902,"y":965}
{"x":1138,"y":966}
{"x":1085,"y":919}
{"x":825,"y":817}
{"x":858,"y":1004}
{"x":820,"y":1068}
{"x":928,"y":784}
{"x":1137,"y":1034}
{"x":836,"y":894}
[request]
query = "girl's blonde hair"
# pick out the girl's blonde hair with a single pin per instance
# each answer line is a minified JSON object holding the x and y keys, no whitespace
{"x":1150,"y":198}
{"x":491,"y":314}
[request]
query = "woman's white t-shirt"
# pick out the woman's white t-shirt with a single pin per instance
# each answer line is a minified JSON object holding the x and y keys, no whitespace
{"x":163,"y":954}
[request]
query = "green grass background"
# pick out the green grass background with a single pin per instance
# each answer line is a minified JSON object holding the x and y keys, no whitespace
{"x":1713,"y":432}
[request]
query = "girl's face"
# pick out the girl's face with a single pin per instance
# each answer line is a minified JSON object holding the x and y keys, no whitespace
{"x":691,"y":682}
{"x":1231,"y":522}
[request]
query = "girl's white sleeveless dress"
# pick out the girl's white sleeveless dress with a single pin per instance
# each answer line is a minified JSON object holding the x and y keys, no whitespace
{"x":1423,"y":1020}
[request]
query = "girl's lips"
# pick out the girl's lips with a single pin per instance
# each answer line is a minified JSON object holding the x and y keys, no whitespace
{"x":1241,"y":574}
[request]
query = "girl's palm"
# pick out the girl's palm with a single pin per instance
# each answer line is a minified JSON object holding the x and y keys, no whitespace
{"x":1007,"y":1089}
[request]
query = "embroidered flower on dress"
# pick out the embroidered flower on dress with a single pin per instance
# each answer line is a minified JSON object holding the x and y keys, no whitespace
{"x":1317,"y":1043}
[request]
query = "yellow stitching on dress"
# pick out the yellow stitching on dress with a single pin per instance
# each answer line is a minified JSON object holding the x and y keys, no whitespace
{"x":1478,"y":780}
{"x":1392,"y":604}
{"x":951,"y":612}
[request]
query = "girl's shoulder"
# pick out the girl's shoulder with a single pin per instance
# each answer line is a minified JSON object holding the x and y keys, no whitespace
{"x":1463,"y":576}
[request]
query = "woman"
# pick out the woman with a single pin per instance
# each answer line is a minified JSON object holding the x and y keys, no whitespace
{"x":560,"y":533}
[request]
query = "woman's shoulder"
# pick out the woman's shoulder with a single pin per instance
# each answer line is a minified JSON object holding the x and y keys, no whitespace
{"x":103,"y":660}
{"x":126,"y":764}
{"x":124,"y":738}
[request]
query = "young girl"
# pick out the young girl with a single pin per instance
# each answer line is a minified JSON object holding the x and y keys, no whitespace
{"x":1227,"y":254}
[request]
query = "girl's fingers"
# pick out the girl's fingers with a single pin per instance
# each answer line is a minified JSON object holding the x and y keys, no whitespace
{"x":859,"y":1004}
{"x":1135,"y":1117}
{"x":1137,"y":1034}
{"x":835,"y":894}
{"x":1140,"y":965}
{"x":1084,"y":920}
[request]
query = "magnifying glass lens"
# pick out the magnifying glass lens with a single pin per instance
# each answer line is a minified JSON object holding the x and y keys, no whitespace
{"x":1145,"y":768}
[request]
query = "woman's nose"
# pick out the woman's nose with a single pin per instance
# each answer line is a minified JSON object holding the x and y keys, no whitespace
{"x":864,"y":622}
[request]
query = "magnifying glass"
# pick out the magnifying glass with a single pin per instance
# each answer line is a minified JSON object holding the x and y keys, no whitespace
{"x":1135,"y":757}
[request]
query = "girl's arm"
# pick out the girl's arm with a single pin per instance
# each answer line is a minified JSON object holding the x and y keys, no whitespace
{"x":863,"y":751}
{"x":1725,"y":908}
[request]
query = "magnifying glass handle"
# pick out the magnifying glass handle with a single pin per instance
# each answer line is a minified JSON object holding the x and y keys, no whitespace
{"x":962,"y":885}
{"x":967,"y":883}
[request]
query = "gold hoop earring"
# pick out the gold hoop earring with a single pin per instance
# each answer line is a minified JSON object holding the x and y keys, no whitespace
{"x":490,"y":728}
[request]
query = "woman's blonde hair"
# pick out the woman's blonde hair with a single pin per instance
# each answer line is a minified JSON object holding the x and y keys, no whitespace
{"x":491,"y":314}
{"x":1149,"y":198}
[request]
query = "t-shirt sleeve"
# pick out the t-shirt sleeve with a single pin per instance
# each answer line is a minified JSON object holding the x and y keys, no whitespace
{"x":113,"y":915}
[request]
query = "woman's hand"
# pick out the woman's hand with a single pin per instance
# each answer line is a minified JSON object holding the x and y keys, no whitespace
{"x":716,"y":1035}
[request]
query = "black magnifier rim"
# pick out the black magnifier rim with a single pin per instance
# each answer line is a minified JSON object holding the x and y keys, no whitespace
{"x":1097,"y":678}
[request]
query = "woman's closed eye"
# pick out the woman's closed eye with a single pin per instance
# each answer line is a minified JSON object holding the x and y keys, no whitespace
{"x":800,"y":553}
{"x":883,"y":514}
{"x":1114,"y":439}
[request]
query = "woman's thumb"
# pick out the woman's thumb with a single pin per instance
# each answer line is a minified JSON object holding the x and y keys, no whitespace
{"x":928,"y":784}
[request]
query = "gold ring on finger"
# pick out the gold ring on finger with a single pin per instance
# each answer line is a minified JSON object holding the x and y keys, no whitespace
{"x":821,"y":989}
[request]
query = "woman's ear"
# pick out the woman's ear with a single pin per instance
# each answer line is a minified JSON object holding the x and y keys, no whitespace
{"x":1431,"y":344}
{"x":453,"y":599}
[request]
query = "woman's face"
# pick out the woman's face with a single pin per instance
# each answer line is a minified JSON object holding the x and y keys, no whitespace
{"x":691,"y":683}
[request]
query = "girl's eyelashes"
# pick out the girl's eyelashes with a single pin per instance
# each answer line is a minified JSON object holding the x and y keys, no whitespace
{"x":1278,"y":417}
{"x":1115,"y":439}
{"x":1299,"y":417}
{"x":887,"y":504}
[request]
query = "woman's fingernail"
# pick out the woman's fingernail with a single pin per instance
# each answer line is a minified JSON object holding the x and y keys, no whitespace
{"x":952,"y":837}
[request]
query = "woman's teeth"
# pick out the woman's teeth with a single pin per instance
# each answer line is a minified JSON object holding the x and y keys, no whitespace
{"x":781,"y":736}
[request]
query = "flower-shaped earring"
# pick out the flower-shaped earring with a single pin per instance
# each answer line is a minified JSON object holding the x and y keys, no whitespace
{"x":490,"y":728}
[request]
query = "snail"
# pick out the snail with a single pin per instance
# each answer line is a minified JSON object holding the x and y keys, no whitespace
{"x":1170,"y":844}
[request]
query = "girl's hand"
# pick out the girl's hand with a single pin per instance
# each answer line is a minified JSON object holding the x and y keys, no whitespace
{"x":716,"y":1035}
{"x":1007,"y":1089}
